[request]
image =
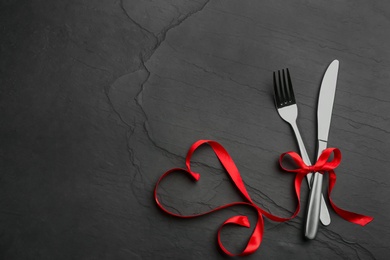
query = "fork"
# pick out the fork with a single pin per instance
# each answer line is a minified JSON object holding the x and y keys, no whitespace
{"x":288,"y":111}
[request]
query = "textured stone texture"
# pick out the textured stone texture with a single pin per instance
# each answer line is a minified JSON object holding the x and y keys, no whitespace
{"x":97,"y":100}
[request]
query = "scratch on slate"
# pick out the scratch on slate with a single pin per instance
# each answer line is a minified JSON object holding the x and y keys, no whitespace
{"x":148,"y":54}
{"x":361,"y":252}
{"x":144,"y":56}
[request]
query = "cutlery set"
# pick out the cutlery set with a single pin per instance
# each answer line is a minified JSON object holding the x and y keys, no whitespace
{"x":288,"y":111}
{"x":287,"y":108}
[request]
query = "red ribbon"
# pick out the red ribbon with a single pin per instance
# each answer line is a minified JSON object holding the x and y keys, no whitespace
{"x":322,"y":165}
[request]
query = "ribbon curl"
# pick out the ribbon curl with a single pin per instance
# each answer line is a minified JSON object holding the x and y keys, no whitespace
{"x":322,"y":165}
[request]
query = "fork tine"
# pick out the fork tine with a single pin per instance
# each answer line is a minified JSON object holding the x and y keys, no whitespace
{"x":276,"y":97}
{"x":286,"y":91}
{"x":277,"y":92}
{"x":281,"y":89}
{"x":291,"y":90}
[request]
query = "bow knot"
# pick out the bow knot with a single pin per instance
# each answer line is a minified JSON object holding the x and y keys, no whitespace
{"x":312,"y":169}
{"x":322,"y":165}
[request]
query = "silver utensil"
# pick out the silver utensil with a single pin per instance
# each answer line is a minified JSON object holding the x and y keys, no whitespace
{"x":288,"y":111}
{"x":324,"y":114}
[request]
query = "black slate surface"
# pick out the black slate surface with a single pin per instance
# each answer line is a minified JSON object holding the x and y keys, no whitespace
{"x":99,"y":98}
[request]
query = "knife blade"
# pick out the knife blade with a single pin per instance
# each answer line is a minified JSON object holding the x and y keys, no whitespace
{"x":324,"y":115}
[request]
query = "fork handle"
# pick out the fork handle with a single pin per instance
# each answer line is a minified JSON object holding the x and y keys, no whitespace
{"x":324,"y":212}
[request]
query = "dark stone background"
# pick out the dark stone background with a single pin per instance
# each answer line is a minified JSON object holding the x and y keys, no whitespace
{"x":99,"y":98}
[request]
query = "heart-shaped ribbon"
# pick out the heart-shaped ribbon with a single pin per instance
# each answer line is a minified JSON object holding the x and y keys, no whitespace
{"x":322,"y":165}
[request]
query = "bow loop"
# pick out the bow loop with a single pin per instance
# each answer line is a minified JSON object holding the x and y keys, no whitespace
{"x":323,"y":159}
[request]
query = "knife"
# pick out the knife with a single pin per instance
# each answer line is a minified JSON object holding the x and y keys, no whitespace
{"x":324,"y":114}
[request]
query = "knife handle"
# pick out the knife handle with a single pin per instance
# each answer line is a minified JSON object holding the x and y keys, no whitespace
{"x":314,"y":208}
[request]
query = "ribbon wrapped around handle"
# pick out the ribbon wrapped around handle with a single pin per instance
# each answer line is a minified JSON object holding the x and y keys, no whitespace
{"x":322,"y":165}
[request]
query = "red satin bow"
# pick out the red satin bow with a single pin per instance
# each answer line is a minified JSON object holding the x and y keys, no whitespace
{"x":322,"y":165}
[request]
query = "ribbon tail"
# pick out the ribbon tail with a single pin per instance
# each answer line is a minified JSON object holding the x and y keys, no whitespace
{"x":255,"y":239}
{"x":347,"y":215}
